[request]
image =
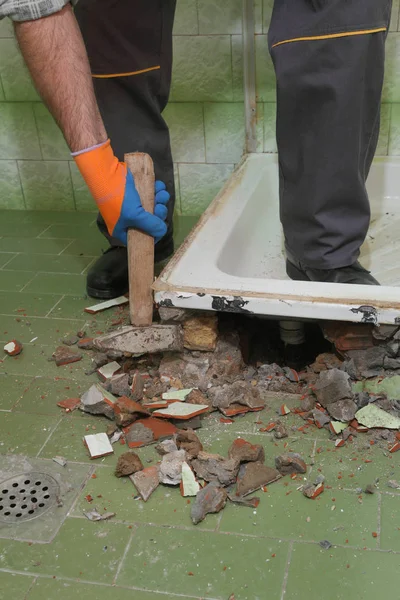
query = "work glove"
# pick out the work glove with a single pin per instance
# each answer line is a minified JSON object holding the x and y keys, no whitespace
{"x":113,"y":188}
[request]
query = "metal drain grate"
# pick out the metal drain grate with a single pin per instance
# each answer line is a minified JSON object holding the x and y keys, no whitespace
{"x":27,"y":496}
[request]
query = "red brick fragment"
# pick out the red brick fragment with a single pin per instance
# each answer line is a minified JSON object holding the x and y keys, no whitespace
{"x":69,"y":404}
{"x":395,"y":447}
{"x":13,"y":348}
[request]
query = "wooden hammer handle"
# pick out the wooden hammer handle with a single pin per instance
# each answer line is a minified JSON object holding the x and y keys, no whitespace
{"x":141,"y":245}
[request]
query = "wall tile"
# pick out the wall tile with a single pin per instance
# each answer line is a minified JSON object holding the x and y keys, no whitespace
{"x":394,"y":136}
{"x":391,"y":88}
{"x":186,"y":22}
{"x":10,"y":186}
{"x":178,"y":208}
{"x":265,"y":74}
{"x":224,"y":126}
{"x":258,"y":16}
{"x":200,"y":184}
{"x":17,"y":83}
{"x":185,"y":120}
{"x":383,"y":142}
{"x":52,"y":142}
{"x":270,"y":127}
{"x":6,"y":28}
{"x":46,"y":185}
{"x":237,"y":68}
{"x":395,"y":16}
{"x":267,"y":12}
{"x":83,"y":198}
{"x":224,"y":16}
{"x":2,"y":97}
{"x":18,"y":135}
{"x":202,"y":69}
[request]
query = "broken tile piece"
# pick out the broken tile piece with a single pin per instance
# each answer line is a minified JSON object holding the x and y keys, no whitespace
{"x":253,"y":476}
{"x":146,"y":481}
{"x":97,"y":401}
{"x":147,"y":431}
{"x":181,"y":410}
{"x":92,"y":310}
{"x":211,"y":499}
{"x":187,"y":440}
{"x":13,"y":348}
{"x":178,"y":395}
{"x":108,"y":370}
{"x":60,"y":460}
{"x":119,"y":385}
{"x":128,"y":463}
{"x":189,"y":485}
{"x":291,"y":462}
{"x":244,"y":451}
{"x":64,"y":355}
{"x":312,"y":491}
{"x":166,"y":446}
{"x":284,"y":410}
{"x":213,"y":467}
{"x":98,"y":445}
{"x":127,"y":411}
{"x":372,"y":416}
{"x":170,"y":468}
{"x":337,"y":427}
{"x":85,"y":343}
{"x":69,"y":404}
{"x":94,"y":515}
{"x":249,"y":502}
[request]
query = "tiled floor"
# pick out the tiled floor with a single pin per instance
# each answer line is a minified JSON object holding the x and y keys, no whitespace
{"x":151,"y":551}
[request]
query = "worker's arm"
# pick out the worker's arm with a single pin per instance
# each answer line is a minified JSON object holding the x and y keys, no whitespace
{"x":55,"y":54}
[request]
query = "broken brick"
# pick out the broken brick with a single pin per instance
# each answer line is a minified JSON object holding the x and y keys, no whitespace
{"x":97,"y":401}
{"x":211,"y":499}
{"x":187,"y":440}
{"x":13,"y":348}
{"x":147,"y":431}
{"x":284,"y":410}
{"x":313,"y":491}
{"x":127,"y":411}
{"x":349,"y":336}
{"x":146,"y":481}
{"x":137,"y":386}
{"x":85,"y":343}
{"x":244,"y":451}
{"x":213,"y":467}
{"x":291,"y":462}
{"x":253,"y":476}
{"x":201,"y":333}
{"x":128,"y":463}
{"x":65,"y":355}
{"x":69,"y":404}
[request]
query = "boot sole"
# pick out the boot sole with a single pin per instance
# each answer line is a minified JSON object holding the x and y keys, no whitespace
{"x":295,"y":273}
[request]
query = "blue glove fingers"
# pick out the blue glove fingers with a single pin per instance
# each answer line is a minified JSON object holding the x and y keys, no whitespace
{"x":161,"y":211}
{"x":162,"y":197}
{"x":159,"y":186}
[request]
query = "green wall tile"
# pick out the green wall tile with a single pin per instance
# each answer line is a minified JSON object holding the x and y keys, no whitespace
{"x":258,"y":16}
{"x":52,"y":142}
{"x":83,"y":198}
{"x":2,"y":97}
{"x":200,"y":184}
{"x":265,"y":74}
{"x":47,"y":185}
{"x":394,"y":137}
{"x":391,"y":88}
{"x":6,"y":28}
{"x":186,"y":22}
{"x":17,"y":83}
{"x":237,"y":68}
{"x":383,"y":142}
{"x":10,"y":186}
{"x":202,"y":69}
{"x":177,"y":190}
{"x":270,"y":127}
{"x":18,"y":136}
{"x":267,"y":12}
{"x":224,"y":127}
{"x":395,"y":16}
{"x":224,"y":16}
{"x":185,"y":120}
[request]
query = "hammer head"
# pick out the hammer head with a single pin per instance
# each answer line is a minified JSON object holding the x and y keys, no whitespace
{"x":142,"y":340}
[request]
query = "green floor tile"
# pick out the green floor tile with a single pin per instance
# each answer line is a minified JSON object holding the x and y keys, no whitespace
{"x":47,"y":331}
{"x":24,"y":434}
{"x":390,"y":386}
{"x":204,"y":564}
{"x":43,"y":393}
{"x":72,"y":307}
{"x":49,"y":589}
{"x":285,"y":513}
{"x":340,"y":574}
{"x":6,"y":257}
{"x":14,"y":586}
{"x":47,"y":217}
{"x":81,"y":550}
{"x":27,"y":304}
{"x":33,"y":361}
{"x":14,"y":281}
{"x":92,"y":246}
{"x":49,"y":263}
{"x":165,"y":507}
{"x":19,"y":230}
{"x":57,"y":283}
{"x":12,"y":390}
{"x":79,"y":231}
{"x":390,"y":522}
{"x":33,"y":245}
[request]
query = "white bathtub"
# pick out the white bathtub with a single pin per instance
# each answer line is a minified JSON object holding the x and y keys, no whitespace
{"x":234,"y":260}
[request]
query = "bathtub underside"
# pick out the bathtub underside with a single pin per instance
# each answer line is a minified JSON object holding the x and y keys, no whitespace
{"x":234,"y":260}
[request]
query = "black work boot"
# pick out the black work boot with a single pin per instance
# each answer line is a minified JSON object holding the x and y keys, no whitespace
{"x":108,"y":278}
{"x":355,"y":274}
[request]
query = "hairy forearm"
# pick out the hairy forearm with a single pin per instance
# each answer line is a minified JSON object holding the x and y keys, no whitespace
{"x":55,"y":54}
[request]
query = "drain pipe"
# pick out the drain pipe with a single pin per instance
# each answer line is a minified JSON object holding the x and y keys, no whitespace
{"x":292,"y":332}
{"x":249,"y":72}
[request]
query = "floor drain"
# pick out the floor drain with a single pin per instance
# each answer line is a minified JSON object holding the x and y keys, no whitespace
{"x":27,"y":496}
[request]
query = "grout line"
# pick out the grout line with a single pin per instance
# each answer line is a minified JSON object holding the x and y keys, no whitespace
{"x":85,"y":269}
{"x":127,"y":548}
{"x":30,"y":588}
{"x":163,"y":526}
{"x":44,"y":231}
{"x":286,"y":575}
{"x":91,"y":470}
{"x":49,"y":436}
{"x":379,"y":528}
{"x":51,"y":310}
{"x":24,"y":286}
{"x":66,"y":247}
{"x":9,"y":260}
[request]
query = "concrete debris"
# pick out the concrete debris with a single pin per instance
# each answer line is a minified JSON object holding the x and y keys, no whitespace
{"x":171,"y":366}
{"x":333,"y":391}
{"x":366,"y":363}
{"x":370,"y":489}
{"x":201,"y":333}
{"x":253,"y":476}
{"x":391,"y":364}
{"x":60,"y":460}
{"x":196,"y":373}
{"x":109,"y":370}
{"x":85,"y":343}
{"x":249,"y":502}
{"x":111,"y":429}
{"x":99,"y":360}
{"x":342,"y":410}
{"x":239,"y":392}
{"x":213,"y":467}
{"x":140,"y":341}
{"x":154,"y":388}
{"x":269,"y":371}
{"x":384,"y":332}
{"x":307,"y":403}
{"x":137,"y":386}
{"x":119,"y":385}
{"x":128,"y":463}
{"x":244,"y":451}
{"x":69,"y":404}
{"x":325,"y":544}
{"x":181,"y":410}
{"x":170,"y":468}
{"x":146,"y":481}
{"x":280,"y":432}
{"x":98,"y":445}
{"x":94,"y":515}
{"x":127,"y":411}
{"x":166,"y":446}
{"x":147,"y":431}
{"x":97,"y":401}
{"x":187,"y":440}
{"x":372,"y":416}
{"x":70,"y":341}
{"x":189,"y":485}
{"x":174,"y":315}
{"x":227,"y":360}
{"x":363,"y":399}
{"x":211,"y":499}
{"x":395,"y":485}
{"x":95,"y":308}
{"x":312,"y":491}
{"x":320,"y":417}
{"x":64,"y":355}
{"x":13,"y":348}
{"x":326,"y":361}
{"x":291,"y":462}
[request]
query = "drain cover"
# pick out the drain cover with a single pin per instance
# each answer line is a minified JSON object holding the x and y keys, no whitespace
{"x":27,"y":496}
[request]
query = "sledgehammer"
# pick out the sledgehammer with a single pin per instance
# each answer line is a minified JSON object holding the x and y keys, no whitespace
{"x":143,"y":336}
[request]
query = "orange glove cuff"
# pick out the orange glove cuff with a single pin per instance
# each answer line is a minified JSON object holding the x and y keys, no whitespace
{"x":105,"y":177}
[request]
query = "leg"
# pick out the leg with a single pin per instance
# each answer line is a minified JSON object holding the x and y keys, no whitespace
{"x":328,"y":95}
{"x":136,"y":40}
